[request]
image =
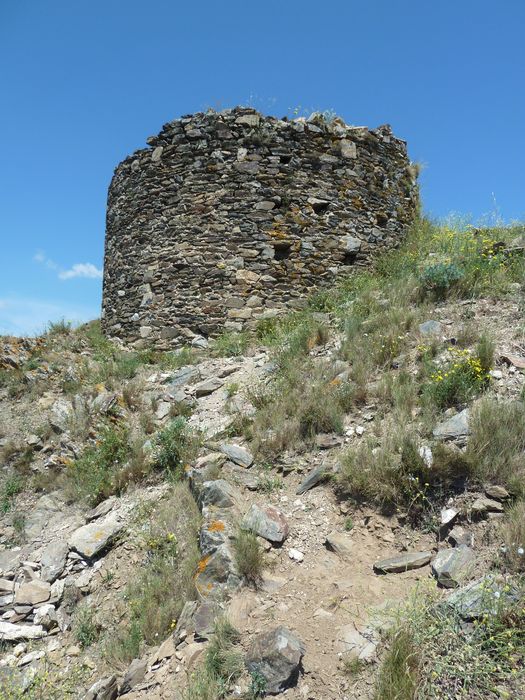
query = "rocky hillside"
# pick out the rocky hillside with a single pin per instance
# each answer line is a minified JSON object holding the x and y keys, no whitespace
{"x":330,"y":508}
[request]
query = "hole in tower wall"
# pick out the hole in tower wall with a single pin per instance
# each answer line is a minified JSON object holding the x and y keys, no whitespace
{"x":320,"y":207}
{"x":349,"y":257}
{"x":282,"y":250}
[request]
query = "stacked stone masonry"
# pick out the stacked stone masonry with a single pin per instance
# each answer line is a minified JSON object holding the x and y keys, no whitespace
{"x":232,"y":217}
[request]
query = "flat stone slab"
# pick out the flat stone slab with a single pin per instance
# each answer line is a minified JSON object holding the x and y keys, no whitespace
{"x":53,"y":560}
{"x":93,"y":538}
{"x":316,"y":476}
{"x":276,"y":656}
{"x":15,"y":633}
{"x":238,"y":455}
{"x":33,"y":592}
{"x":451,"y":565}
{"x":402,"y":562}
{"x":208,"y":386}
{"x":267,"y":522}
{"x":455,"y":427}
{"x":184,"y":375}
{"x":484,"y":505}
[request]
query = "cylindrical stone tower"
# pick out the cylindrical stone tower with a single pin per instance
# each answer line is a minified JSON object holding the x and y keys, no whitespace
{"x":227,"y":218}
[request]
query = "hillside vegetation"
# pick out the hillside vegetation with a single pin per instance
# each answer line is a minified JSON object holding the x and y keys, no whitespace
{"x":272,"y":479}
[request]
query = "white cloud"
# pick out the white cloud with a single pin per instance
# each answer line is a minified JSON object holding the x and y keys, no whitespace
{"x":86,"y":270}
{"x":26,"y":316}
{"x":81,"y":270}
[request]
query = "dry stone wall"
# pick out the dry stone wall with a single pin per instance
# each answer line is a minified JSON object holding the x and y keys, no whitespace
{"x":227,"y":218}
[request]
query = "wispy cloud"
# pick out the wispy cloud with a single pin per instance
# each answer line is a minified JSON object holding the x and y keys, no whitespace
{"x":81,"y":270}
{"x":26,"y":316}
{"x":86,"y":270}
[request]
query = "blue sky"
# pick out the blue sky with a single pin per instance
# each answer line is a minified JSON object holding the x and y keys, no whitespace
{"x":83,"y":83}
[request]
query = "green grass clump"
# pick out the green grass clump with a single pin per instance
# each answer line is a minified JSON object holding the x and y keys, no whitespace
{"x":431,"y":655}
{"x":85,"y":628}
{"x":496,"y":446}
{"x":229,"y":344}
{"x":96,"y":474}
{"x":222,"y":665}
{"x":165,"y":581}
{"x":10,"y":487}
{"x":177,"y":445}
{"x":249,"y":556}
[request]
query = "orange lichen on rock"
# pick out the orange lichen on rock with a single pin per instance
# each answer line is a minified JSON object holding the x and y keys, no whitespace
{"x":216,"y":526}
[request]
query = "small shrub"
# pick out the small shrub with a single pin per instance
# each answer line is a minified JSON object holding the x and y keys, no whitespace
{"x":222,"y":665}
{"x":249,"y":557}
{"x":165,"y":581}
{"x":440,"y":278}
{"x":93,"y":476}
{"x":349,"y":524}
{"x":11,"y":486}
{"x":485,"y":353}
{"x":176,"y":446}
{"x":61,"y":327}
{"x":86,"y":630}
{"x":459,"y":381}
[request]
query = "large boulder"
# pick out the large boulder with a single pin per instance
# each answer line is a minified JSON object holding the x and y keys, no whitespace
{"x":105,"y":689}
{"x":53,"y":559}
{"x":276,"y":656}
{"x":454,"y":428}
{"x":218,"y":493}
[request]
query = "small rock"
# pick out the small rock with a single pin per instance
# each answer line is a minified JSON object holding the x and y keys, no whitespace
{"x":267,"y":522}
{"x":316,"y":476}
{"x":208,"y":386}
{"x":295,"y":554}
{"x":105,"y":689}
{"x":458,"y":535}
{"x":340,"y":543}
{"x":450,"y":565}
{"x":92,"y":539}
{"x":454,"y":428}
{"x":403,"y":562}
{"x":238,"y":455}
{"x":486,"y":595}
{"x":327,"y":441}
{"x":134,"y":675}
{"x":484,"y":505}
{"x":46,"y":616}
{"x":53,"y":560}
{"x":276,"y":656}
{"x":218,"y":493}
{"x":499,"y":493}
{"x":430,"y":328}
{"x":10,"y":632}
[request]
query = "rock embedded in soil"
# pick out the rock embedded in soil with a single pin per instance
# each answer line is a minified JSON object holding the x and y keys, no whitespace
{"x":430,"y":328}
{"x":276,"y":656}
{"x":481,"y":597}
{"x":484,"y":505}
{"x":208,"y":386}
{"x":238,"y":455}
{"x":92,"y":539}
{"x":340,"y":543}
{"x":268,"y":522}
{"x":134,"y":675}
{"x":316,"y":476}
{"x":458,"y":535}
{"x":402,"y":562}
{"x":218,"y":493}
{"x":451,"y":565}
{"x":105,"y":689}
{"x":454,"y":428}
